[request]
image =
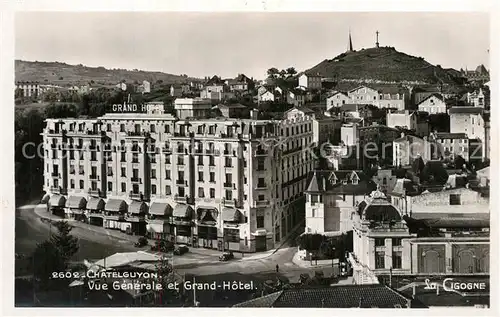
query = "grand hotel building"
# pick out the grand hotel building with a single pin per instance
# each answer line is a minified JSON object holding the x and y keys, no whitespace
{"x":221,"y":183}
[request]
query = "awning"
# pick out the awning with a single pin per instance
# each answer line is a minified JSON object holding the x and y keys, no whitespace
{"x":160,"y":209}
{"x":231,"y":214}
{"x":137,"y":207}
{"x":45,"y":199}
{"x":183,"y":211}
{"x":207,"y":213}
{"x":76,"y":202}
{"x":95,"y":204}
{"x":57,"y":201}
{"x":116,"y":205}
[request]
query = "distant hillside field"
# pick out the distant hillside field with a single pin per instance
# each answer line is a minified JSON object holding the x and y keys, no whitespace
{"x":385,"y":65}
{"x":64,"y":74}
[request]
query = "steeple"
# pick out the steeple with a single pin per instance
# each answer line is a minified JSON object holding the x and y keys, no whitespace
{"x":350,"y":42}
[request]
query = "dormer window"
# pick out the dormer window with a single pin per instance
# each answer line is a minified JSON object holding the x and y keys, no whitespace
{"x":344,"y":182}
{"x":355,"y":181}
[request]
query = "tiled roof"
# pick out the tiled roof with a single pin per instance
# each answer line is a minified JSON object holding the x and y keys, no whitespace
{"x":331,"y":181}
{"x":435,"y":95}
{"x":339,"y":296}
{"x":465,"y":110}
{"x":445,"y":135}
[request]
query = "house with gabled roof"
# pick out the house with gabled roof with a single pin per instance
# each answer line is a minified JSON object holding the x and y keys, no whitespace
{"x":337,"y":100}
{"x":433,"y":104}
{"x":332,"y":196}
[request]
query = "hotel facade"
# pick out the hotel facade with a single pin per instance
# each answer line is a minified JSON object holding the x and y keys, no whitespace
{"x":220,"y":183}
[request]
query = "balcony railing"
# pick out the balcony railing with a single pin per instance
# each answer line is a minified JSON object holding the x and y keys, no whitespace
{"x":230,"y":185}
{"x":114,"y":216}
{"x":230,"y":202}
{"x":180,"y":199}
{"x":55,"y":174}
{"x":135,"y":149}
{"x":94,"y":177}
{"x":166,"y":150}
{"x":261,"y":203}
{"x":94,"y":192}
{"x":136,"y":195}
{"x":198,"y":151}
{"x":181,"y":182}
{"x":58,"y":190}
{"x":212,"y":152}
{"x":136,"y":180}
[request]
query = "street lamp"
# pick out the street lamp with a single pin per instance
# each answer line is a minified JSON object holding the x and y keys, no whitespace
{"x":333,"y":255}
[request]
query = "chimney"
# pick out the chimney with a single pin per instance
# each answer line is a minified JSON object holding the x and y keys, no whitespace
{"x":402,"y":134}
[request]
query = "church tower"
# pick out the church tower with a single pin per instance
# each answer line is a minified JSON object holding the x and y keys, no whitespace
{"x":350,"y":43}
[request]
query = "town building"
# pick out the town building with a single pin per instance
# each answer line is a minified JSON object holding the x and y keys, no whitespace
{"x":438,"y":241}
{"x":326,"y":129}
{"x":241,"y":83}
{"x":408,"y":148}
{"x":337,"y":100}
{"x":192,"y":108}
{"x":385,"y":179}
{"x":29,"y":89}
{"x":121,"y":86}
{"x":218,"y":183}
{"x":475,"y":98}
{"x":381,"y":98}
{"x":433,"y":104}
{"x":236,"y":110}
{"x":310,"y":81}
{"x":296,"y":97}
{"x":332,"y":197}
{"x":453,"y":144}
{"x":480,"y":75}
{"x":470,"y":121}
{"x":410,"y":120}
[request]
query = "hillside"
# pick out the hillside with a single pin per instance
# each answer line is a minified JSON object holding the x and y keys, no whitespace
{"x":64,"y":74}
{"x":384,"y":65}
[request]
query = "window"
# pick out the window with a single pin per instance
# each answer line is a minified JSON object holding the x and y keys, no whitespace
{"x":379,"y":260}
{"x":167,"y":174}
{"x":454,"y":199}
{"x":108,"y":127}
{"x":396,"y":259}
{"x":260,"y":164}
{"x":200,"y":176}
{"x":261,"y":197}
{"x":110,"y":186}
{"x":124,"y":174}
{"x":152,"y":128}
{"x":201,"y":192}
{"x":212,"y":177}
{"x":180,"y":175}
{"x":168,"y":191}
{"x":261,"y":182}
{"x":211,"y":161}
{"x":229,"y":194}
{"x":180,"y":191}
{"x":379,"y":242}
{"x":72,"y":183}
{"x":229,"y":162}
{"x":260,"y":221}
{"x":200,"y":160}
{"x":81,"y":184}
{"x":167,"y":129}
{"x":396,"y":242}
{"x":124,"y":187}
{"x":180,"y":160}
{"x":122,"y":157}
{"x":153,"y":189}
{"x":313,"y":213}
{"x":153,"y":174}
{"x":122,"y":127}
{"x":212,"y":192}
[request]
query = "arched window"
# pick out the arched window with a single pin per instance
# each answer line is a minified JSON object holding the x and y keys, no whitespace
{"x":466,"y":261}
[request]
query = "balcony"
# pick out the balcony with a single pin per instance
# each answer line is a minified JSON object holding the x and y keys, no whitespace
{"x":261,"y":203}
{"x":135,"y":149}
{"x":228,"y":135}
{"x":180,"y":199}
{"x":261,"y":152}
{"x":166,"y":150}
{"x":142,"y":134}
{"x":94,"y":177}
{"x":261,"y":186}
{"x":230,"y":202}
{"x":114,"y":216}
{"x":153,"y":219}
{"x":95,"y":132}
{"x":212,"y":152}
{"x":230,"y":185}
{"x":136,"y":180}
{"x":134,"y":218}
{"x":228,"y":152}
{"x":58,"y":190}
{"x":94,"y":192}
{"x":198,"y":151}
{"x":184,"y":134}
{"x":181,"y":182}
{"x":136,"y":195}
{"x":55,"y":174}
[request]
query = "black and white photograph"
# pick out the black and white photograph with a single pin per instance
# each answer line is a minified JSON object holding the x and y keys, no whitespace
{"x":167,"y":159}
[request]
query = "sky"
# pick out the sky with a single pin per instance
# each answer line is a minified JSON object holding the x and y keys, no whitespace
{"x":226,"y":44}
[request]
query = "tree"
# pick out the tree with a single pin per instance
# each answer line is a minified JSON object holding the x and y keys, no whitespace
{"x":459,"y":161}
{"x":47,"y":258}
{"x":64,"y":241}
{"x":18,"y":93}
{"x":272,"y":73}
{"x":291,"y":71}
{"x":418,"y":165}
